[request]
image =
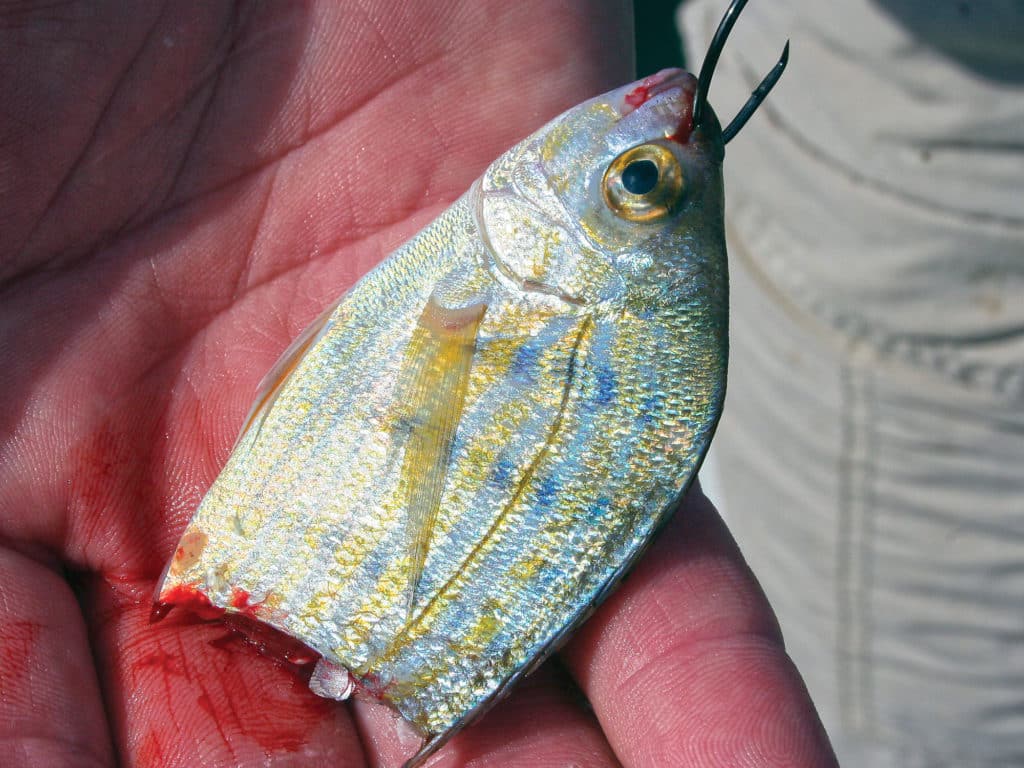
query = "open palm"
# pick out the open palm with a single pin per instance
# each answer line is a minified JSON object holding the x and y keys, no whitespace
{"x":183,"y":187}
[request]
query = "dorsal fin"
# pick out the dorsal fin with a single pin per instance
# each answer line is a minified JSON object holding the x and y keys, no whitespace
{"x":270,"y":385}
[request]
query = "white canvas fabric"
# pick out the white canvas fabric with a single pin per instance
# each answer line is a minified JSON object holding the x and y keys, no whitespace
{"x":871,"y":453}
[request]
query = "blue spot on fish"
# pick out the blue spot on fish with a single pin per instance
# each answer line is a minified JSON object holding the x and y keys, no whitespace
{"x":601,"y":506}
{"x":547,"y":491}
{"x":606,"y":385}
{"x":502,"y":472}
{"x":525,"y":363}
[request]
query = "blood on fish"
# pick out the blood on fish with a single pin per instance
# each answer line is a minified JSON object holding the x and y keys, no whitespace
{"x":188,"y":596}
{"x":638,"y":95}
{"x":641,"y":94}
{"x":240,"y":600}
{"x":242,"y":624}
{"x":683,"y":132}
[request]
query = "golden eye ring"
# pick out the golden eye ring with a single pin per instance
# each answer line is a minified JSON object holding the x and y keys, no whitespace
{"x":644,"y":183}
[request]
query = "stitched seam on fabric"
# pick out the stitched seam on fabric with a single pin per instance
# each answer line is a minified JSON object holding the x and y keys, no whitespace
{"x":855,"y":546}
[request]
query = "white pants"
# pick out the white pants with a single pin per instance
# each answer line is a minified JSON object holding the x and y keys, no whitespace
{"x":872,"y":446}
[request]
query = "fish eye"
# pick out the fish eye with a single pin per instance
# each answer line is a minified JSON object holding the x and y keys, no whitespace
{"x":644,"y":183}
{"x":640,"y":177}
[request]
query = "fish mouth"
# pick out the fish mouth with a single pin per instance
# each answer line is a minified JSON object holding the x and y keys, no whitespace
{"x":668,"y":84}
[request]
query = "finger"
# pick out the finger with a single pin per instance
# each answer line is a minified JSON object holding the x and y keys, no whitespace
{"x":685,"y":664}
{"x":185,"y":692}
{"x":541,"y":725}
{"x":50,"y":707}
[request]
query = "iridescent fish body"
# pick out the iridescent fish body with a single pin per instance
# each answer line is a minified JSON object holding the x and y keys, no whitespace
{"x":448,"y":472}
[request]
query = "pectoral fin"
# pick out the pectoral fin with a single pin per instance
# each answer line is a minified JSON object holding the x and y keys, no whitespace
{"x":435,"y":375}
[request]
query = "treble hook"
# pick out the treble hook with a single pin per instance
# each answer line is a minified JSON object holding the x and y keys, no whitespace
{"x":700,"y":98}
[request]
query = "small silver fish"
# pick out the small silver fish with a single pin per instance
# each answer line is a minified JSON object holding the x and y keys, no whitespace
{"x":451,"y":469}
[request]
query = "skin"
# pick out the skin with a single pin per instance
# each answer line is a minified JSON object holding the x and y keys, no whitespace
{"x":185,"y":188}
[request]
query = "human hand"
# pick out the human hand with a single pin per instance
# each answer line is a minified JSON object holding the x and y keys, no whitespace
{"x":186,"y":186}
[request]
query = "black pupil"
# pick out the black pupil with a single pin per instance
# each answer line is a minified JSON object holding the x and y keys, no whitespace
{"x":640,"y":177}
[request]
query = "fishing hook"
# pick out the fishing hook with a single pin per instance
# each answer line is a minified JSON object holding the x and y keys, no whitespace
{"x":700,"y":98}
